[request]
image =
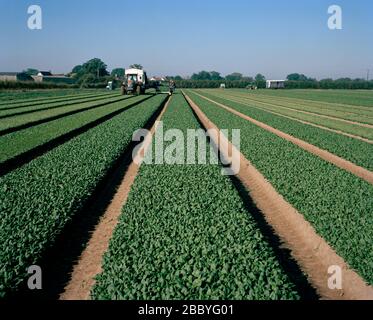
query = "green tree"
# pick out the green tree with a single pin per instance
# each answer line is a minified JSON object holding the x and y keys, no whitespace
{"x":95,"y":67}
{"x":260,"y":81}
{"x":260,"y":78}
{"x":118,"y":72}
{"x":215,"y":75}
{"x":297,"y":77}
{"x":248,"y":79}
{"x":235,"y":76}
{"x":31,"y":72}
{"x":136,"y":66}
{"x":202,"y":75}
{"x":77,"y":69}
{"x":178,"y":78}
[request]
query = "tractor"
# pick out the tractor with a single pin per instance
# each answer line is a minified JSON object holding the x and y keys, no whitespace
{"x":136,"y":82}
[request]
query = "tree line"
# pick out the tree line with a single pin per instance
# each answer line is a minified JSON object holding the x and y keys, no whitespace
{"x":214,"y":79}
{"x":94,"y":74}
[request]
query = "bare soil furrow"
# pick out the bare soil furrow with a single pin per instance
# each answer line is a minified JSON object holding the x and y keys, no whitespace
{"x":326,"y":155}
{"x":90,"y":261}
{"x":365,"y":125}
{"x":312,"y":253}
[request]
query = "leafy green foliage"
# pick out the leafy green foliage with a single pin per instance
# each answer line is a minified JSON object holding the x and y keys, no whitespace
{"x":20,"y":120}
{"x":31,"y":71}
{"x":356,"y":151}
{"x":347,"y":112}
{"x":10,"y":97}
{"x":338,"y":204}
{"x":19,"y":142}
{"x":38,"y":199}
{"x":361,"y":131}
{"x":185,"y":234}
{"x":118,"y":72}
{"x":346,"y":97}
{"x":16,"y":109}
{"x":18,"y":103}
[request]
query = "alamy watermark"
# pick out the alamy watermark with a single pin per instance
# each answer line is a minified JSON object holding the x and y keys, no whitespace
{"x":174,"y":147}
{"x":335,"y":20}
{"x":335,"y":277}
{"x":35,"y":280}
{"x":35,"y":19}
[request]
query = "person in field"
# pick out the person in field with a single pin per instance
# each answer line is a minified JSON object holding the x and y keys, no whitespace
{"x":172,"y":86}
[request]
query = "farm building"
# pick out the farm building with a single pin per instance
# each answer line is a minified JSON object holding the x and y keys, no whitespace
{"x":47,"y":76}
{"x":15,"y":76}
{"x":275,"y":84}
{"x":161,"y":79}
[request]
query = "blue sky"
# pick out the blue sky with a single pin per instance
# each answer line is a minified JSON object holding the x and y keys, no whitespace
{"x":181,"y":37}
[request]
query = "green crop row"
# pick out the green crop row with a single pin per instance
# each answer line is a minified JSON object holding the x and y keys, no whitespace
{"x":44,"y":115}
{"x":185,"y":233}
{"x":19,"y":142}
{"x":354,"y":150}
{"x":47,"y":105}
{"x":352,"y":97}
{"x":15,"y":97}
{"x":344,"y":111}
{"x":336,"y":203}
{"x":351,"y":115}
{"x":41,"y":101}
{"x":329,"y":123}
{"x":38,"y":199}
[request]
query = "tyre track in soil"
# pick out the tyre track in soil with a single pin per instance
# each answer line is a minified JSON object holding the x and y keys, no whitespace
{"x":90,"y":262}
{"x":365,"y":125}
{"x":311,"y":251}
{"x":323,"y":154}
{"x":307,"y":123}
{"x":351,"y":109}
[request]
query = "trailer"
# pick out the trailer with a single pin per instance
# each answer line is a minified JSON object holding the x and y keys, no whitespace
{"x":275,"y":84}
{"x":136,"y":82}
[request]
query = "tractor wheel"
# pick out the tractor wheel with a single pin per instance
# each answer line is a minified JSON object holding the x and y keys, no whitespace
{"x":138,"y":90}
{"x":123,"y":90}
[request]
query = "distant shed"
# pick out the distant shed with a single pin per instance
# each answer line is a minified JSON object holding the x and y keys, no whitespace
{"x":275,"y":84}
{"x":15,"y":76}
{"x":47,"y":76}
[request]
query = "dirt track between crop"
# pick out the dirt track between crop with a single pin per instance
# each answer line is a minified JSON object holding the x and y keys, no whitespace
{"x":352,"y":109}
{"x":326,"y":155}
{"x":312,"y":253}
{"x":90,"y":262}
{"x":318,"y":126}
{"x":365,"y":125}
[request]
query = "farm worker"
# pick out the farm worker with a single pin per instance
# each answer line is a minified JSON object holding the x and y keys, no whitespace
{"x":172,"y":86}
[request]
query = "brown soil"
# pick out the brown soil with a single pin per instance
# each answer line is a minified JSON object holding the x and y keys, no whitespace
{"x":352,"y":109}
{"x":365,"y":125}
{"x":327,"y":156}
{"x":312,"y":253}
{"x":90,"y":262}
{"x":320,"y":127}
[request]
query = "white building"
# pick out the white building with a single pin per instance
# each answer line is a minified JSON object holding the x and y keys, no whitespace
{"x":275,"y":84}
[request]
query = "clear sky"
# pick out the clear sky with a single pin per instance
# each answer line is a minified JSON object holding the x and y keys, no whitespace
{"x":273,"y":37}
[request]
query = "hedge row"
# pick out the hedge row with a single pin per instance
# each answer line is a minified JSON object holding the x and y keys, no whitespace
{"x":34,"y":85}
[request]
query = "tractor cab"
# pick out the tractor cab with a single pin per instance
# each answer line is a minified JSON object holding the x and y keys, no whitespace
{"x":135,"y":81}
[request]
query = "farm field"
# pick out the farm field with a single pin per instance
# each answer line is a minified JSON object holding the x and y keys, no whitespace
{"x":185,"y":231}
